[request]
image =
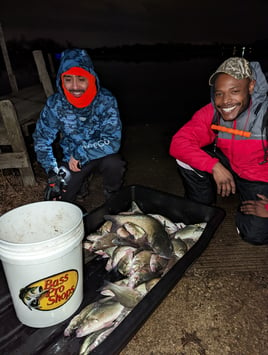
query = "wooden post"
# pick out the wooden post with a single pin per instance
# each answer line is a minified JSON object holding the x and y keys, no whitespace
{"x":19,"y":157}
{"x":43,"y":73}
{"x":11,"y":76}
{"x":52,"y":67}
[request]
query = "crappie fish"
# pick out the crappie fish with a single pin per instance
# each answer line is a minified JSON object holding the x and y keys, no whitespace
{"x":142,"y":275}
{"x":147,"y":259}
{"x":136,"y":231}
{"x":191,"y":231}
{"x":107,"y":292}
{"x":151,"y":283}
{"x":147,"y":223}
{"x":105,"y":227}
{"x":157,"y":263}
{"x":126,"y":241}
{"x":119,"y":253}
{"x":171,"y":262}
{"x":140,"y":260}
{"x":92,"y":237}
{"x":170,"y":227}
{"x":145,"y":287}
{"x":134,"y":209}
{"x":107,"y":253}
{"x":189,"y":242}
{"x":180,"y":225}
{"x":77,"y":319}
{"x":106,"y":241}
{"x":102,"y":232}
{"x":101,"y":316}
{"x":122,"y":232}
{"x":141,"y":288}
{"x":96,"y":338}
{"x":87,"y":245}
{"x":125,"y":295}
{"x":134,"y":235}
{"x":179,"y":247}
{"x":157,"y":237}
{"x":125,"y":263}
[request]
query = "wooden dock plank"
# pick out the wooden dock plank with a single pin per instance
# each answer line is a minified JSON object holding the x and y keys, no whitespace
{"x":28,"y":103}
{"x":19,"y":157}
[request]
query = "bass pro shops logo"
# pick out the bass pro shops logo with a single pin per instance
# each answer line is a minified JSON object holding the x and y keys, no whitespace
{"x":50,"y":293}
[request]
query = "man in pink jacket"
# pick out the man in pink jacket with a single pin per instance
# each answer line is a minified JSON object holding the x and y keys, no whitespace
{"x":224,"y":149}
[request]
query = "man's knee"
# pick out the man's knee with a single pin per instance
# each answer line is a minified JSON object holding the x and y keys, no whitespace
{"x":198,"y":186}
{"x":113,"y":162}
{"x":252,"y":229}
{"x":255,"y":238}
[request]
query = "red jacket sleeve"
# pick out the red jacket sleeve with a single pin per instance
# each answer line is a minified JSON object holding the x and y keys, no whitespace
{"x":186,"y":144}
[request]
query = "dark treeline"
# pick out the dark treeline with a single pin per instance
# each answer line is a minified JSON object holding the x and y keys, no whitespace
{"x":20,"y":51}
{"x":179,"y":51}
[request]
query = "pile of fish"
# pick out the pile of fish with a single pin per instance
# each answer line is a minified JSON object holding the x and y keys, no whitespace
{"x":142,"y":248}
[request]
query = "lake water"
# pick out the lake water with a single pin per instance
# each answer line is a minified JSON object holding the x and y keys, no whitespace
{"x":150,"y":92}
{"x":157,"y":91}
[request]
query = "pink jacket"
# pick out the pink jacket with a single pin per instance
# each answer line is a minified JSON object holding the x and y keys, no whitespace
{"x":244,"y":154}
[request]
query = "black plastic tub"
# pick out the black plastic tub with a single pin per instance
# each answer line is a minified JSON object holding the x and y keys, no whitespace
{"x":15,"y":338}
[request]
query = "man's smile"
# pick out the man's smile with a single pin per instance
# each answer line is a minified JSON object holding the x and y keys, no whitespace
{"x":229,"y":112}
{"x":228,"y":109}
{"x":77,"y":93}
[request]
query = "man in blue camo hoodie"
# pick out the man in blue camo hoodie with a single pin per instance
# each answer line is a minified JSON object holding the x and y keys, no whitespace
{"x":87,"y":118}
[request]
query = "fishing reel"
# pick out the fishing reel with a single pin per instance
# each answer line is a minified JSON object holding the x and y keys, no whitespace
{"x":57,"y":183}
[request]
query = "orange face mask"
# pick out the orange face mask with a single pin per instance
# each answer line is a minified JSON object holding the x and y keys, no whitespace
{"x":89,"y":94}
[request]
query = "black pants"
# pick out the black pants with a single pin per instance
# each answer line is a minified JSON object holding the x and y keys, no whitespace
{"x":200,"y":187}
{"x":111,"y":167}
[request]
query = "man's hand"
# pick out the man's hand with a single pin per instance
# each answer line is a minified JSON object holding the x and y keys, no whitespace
{"x":256,"y":207}
{"x":74,"y":164}
{"x":224,"y":180}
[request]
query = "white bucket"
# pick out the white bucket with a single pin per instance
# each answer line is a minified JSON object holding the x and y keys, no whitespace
{"x":41,"y":252}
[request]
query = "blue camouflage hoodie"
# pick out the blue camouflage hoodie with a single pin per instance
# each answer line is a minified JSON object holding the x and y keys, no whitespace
{"x":85,"y":133}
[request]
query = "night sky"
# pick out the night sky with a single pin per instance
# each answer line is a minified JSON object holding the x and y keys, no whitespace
{"x":97,"y":23}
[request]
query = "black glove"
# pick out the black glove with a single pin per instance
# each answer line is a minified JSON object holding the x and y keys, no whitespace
{"x":54,"y":186}
{"x":57,"y":183}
